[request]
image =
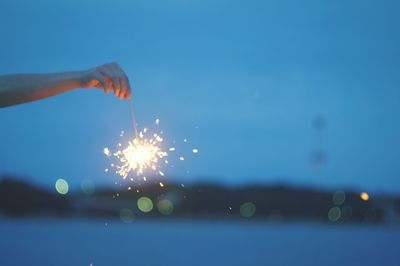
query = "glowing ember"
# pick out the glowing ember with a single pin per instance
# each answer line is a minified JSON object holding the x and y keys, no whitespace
{"x":107,"y":152}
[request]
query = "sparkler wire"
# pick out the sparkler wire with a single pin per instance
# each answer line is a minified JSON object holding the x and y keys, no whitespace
{"x":133,"y":118}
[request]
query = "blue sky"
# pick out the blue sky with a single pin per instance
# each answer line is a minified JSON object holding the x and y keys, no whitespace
{"x":242,"y":81}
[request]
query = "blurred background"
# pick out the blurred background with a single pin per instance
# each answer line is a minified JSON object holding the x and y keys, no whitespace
{"x":293,"y":107}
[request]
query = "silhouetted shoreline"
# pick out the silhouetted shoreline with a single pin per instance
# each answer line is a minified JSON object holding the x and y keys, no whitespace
{"x":200,"y":201}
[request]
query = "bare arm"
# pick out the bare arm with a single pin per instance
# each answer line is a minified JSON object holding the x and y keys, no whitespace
{"x":22,"y":88}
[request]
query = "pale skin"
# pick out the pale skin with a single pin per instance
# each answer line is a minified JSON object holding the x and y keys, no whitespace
{"x":23,"y":88}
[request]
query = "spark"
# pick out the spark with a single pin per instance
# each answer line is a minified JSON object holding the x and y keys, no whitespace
{"x":195,"y":150}
{"x":107,"y":152}
{"x":181,"y":158}
{"x":161,"y":184}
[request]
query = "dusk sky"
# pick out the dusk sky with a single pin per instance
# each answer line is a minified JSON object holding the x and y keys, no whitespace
{"x":242,"y":83}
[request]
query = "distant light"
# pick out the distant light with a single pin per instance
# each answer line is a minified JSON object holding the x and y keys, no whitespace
{"x":247,"y":209}
{"x":87,"y":186}
{"x":338,"y":197}
{"x":364,"y":196}
{"x":62,"y":186}
{"x":126,"y":215}
{"x":145,"y":204}
{"x":165,"y":206}
{"x":334,"y":214}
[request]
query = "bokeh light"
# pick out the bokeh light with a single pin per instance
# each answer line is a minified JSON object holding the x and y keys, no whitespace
{"x":62,"y":186}
{"x":145,"y":204}
{"x":126,"y":215}
{"x":247,"y":209}
{"x":334,"y":214}
{"x":338,"y":197}
{"x":165,"y":206}
{"x":364,"y":196}
{"x":346,"y":212}
{"x":87,"y":186}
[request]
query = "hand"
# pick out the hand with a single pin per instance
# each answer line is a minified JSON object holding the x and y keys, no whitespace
{"x":108,"y":77}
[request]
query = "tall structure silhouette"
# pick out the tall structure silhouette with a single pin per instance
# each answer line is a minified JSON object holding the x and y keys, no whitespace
{"x":319,"y":155}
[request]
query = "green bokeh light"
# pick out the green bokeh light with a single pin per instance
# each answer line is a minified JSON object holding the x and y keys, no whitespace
{"x":346,"y":212}
{"x":87,"y":186}
{"x":62,"y":186}
{"x":338,"y":197}
{"x":334,"y":214}
{"x":145,"y":204}
{"x":247,"y":209}
{"x":126,"y":215}
{"x":165,"y":206}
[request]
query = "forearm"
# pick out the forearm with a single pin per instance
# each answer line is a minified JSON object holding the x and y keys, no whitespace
{"x":21,"y":88}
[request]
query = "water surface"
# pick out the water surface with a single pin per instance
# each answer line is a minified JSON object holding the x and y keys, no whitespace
{"x":77,"y":242}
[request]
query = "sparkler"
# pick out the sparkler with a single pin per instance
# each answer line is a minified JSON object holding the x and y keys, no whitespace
{"x":144,"y":154}
{"x":141,"y":154}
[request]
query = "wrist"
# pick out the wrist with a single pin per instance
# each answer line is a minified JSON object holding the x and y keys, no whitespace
{"x":82,"y":78}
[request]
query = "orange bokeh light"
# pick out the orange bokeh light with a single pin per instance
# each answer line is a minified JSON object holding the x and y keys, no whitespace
{"x":364,"y":196}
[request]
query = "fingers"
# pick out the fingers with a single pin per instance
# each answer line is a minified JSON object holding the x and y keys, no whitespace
{"x":102,"y":82}
{"x":115,"y":79}
{"x":125,"y":86}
